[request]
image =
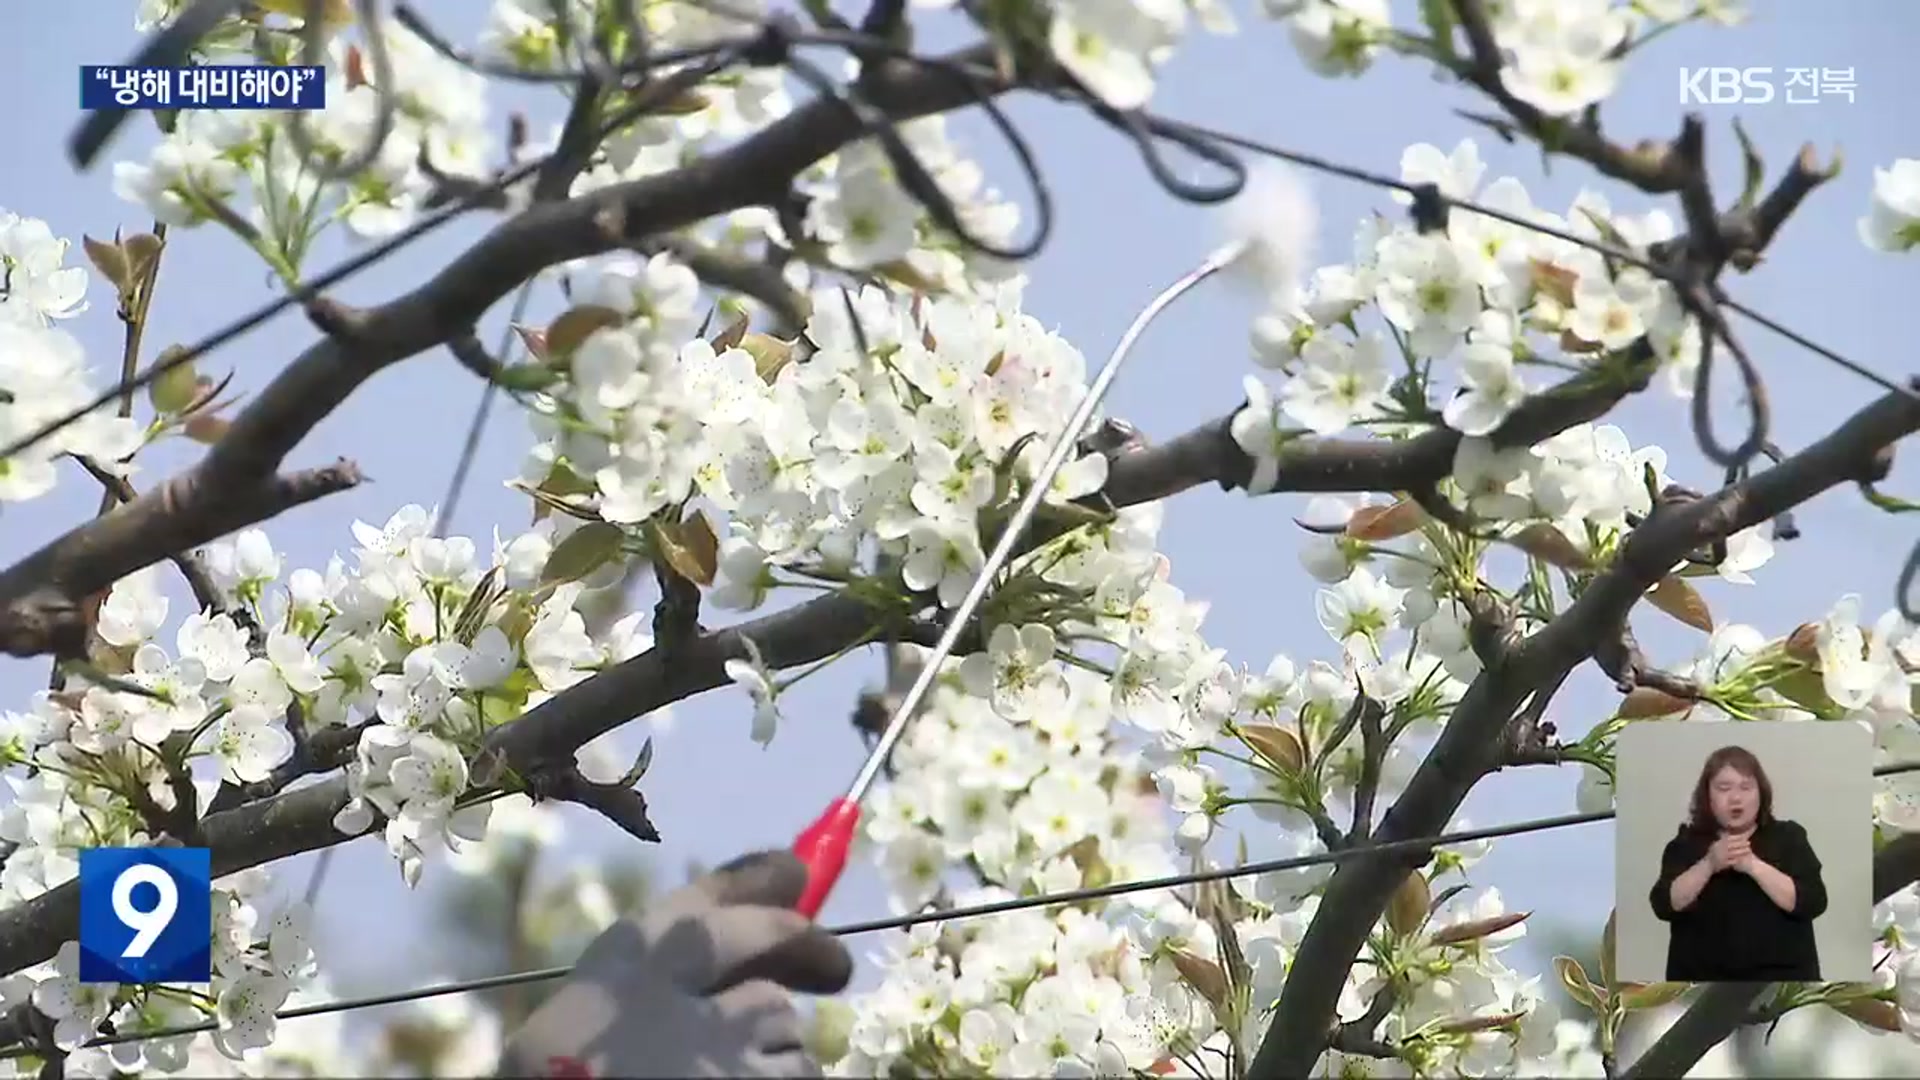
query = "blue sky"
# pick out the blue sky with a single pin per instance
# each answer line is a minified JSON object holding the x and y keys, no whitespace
{"x":1118,"y":239}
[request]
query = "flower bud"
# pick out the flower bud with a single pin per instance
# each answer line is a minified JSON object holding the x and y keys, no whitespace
{"x":206,"y":429}
{"x":177,"y":388}
{"x":1804,"y":643}
{"x":1276,"y":744}
{"x":829,"y":1036}
{"x":1409,"y":906}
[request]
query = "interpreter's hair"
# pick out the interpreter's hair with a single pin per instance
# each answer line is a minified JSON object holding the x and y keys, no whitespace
{"x":1740,"y":760}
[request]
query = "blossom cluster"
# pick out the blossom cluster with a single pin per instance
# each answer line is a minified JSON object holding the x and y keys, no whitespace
{"x":1092,"y":736}
{"x":247,"y":171}
{"x":414,"y":647}
{"x":43,"y":369}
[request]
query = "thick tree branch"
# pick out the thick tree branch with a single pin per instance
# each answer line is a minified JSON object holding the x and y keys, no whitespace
{"x":549,"y":734}
{"x":1208,"y":454}
{"x":285,"y":825}
{"x":1722,"y":1008}
{"x":41,"y":596}
{"x":818,"y":628}
{"x":119,"y":490}
{"x":296,"y":821}
{"x":227,"y":490}
{"x":1473,"y":742}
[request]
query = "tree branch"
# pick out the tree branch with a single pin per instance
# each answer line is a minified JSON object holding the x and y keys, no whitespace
{"x":1472,"y":743}
{"x":759,"y":280}
{"x":286,"y":825}
{"x":39,"y":596}
{"x":1651,"y":166}
{"x":1208,"y":454}
{"x":120,"y":490}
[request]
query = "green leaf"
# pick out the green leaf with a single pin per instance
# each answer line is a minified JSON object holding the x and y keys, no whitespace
{"x":769,"y":353}
{"x":1806,"y":689}
{"x":528,"y":378}
{"x":1635,"y":996}
{"x":547,"y":502}
{"x":1869,"y":1012}
{"x":574,"y":326}
{"x":1888,"y":503}
{"x":640,"y":764}
{"x":1461,"y":933}
{"x":110,"y":259}
{"x":1574,"y":978}
{"x":1378,"y":523}
{"x":585,"y":550}
{"x":1207,"y":978}
{"x":1470,"y":1025}
{"x":1551,"y":546}
{"x":473,"y":613}
{"x":141,"y":249}
{"x":1276,"y":744}
{"x":1683,"y":602}
{"x":690,"y":547}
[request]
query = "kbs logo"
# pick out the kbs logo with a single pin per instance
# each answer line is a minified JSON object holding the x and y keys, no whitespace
{"x":146,"y":915}
{"x":1757,"y":86}
{"x":1726,"y":86}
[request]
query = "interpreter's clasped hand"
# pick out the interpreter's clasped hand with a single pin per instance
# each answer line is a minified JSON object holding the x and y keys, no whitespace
{"x":1730,"y":853}
{"x":695,"y":985}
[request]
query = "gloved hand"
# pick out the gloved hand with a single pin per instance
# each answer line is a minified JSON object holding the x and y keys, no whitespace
{"x":696,"y":985}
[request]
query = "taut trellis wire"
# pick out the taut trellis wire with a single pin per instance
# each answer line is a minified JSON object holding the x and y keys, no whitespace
{"x":1691,"y":263}
{"x":1410,"y":846}
{"x":773,"y":42}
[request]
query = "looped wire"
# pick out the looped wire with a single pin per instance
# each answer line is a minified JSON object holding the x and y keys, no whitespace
{"x":1759,"y":414}
{"x":1145,"y":129}
{"x":1903,"y":592}
{"x":1022,"y":156}
{"x":912,"y":174}
{"x":313,"y":54}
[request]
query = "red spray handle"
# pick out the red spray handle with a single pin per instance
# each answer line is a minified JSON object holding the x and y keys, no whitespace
{"x":823,"y":848}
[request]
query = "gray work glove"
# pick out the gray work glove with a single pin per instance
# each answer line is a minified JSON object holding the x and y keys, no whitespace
{"x":696,"y":985}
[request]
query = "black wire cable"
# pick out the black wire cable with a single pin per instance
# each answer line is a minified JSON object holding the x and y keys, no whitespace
{"x":313,"y":53}
{"x":1140,"y":125}
{"x":311,"y":290}
{"x":1410,"y":846}
{"x":476,"y":427}
{"x":911,"y":173}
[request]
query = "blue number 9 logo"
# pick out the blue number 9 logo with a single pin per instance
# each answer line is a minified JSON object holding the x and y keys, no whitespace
{"x":146,"y":915}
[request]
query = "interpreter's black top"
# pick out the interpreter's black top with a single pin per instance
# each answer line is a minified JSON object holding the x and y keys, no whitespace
{"x":1734,"y":932}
